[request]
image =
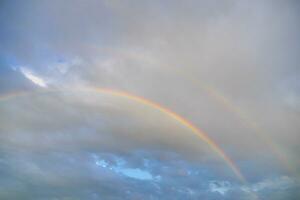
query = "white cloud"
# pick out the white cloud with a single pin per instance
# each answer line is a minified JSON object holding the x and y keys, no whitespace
{"x":279,"y":183}
{"x":221,"y":187}
{"x":273,"y":184}
{"x":33,"y":77}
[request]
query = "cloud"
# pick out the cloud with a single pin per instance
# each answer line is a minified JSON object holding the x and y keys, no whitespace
{"x":221,"y":187}
{"x":278,"y":183}
{"x":119,"y":167}
{"x":221,"y":64}
{"x":34,"y":78}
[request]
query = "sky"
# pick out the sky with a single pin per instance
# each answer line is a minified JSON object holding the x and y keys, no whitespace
{"x":111,"y":99}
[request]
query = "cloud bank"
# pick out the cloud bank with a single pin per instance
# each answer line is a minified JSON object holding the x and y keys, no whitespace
{"x":230,"y":67}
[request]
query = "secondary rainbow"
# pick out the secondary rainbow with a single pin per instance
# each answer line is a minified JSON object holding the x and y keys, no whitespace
{"x":242,"y":116}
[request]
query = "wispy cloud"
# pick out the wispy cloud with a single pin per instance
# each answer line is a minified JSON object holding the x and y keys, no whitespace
{"x":33,"y":77}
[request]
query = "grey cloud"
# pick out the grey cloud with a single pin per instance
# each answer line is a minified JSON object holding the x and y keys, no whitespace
{"x":185,"y":56}
{"x":60,"y":174}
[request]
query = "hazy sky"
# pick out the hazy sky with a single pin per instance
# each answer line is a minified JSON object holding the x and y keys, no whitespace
{"x":229,"y":67}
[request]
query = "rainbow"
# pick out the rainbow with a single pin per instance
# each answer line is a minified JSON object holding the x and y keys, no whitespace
{"x":184,"y":122}
{"x":198,"y":132}
{"x":12,"y":95}
{"x":243,"y":117}
{"x":252,"y":125}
